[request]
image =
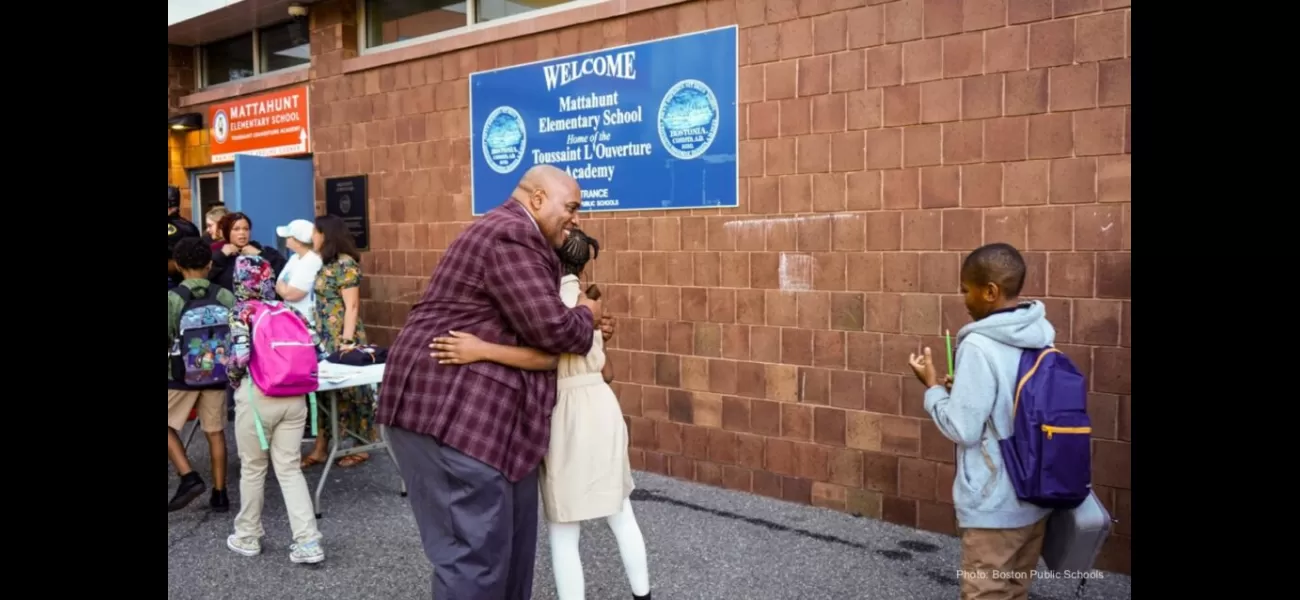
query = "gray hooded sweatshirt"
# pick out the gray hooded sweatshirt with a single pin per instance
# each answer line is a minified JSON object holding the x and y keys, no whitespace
{"x":984,"y":383}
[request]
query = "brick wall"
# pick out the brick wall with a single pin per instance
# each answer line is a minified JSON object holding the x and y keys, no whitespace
{"x":180,"y":82}
{"x":180,"y":75}
{"x":764,"y":348}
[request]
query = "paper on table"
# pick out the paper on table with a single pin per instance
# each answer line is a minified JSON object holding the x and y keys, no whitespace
{"x":335,"y":375}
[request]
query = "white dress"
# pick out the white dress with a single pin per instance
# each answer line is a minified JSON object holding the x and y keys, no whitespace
{"x":586,"y":473}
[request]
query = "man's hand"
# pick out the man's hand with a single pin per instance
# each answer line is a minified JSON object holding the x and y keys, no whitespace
{"x":947,"y":383}
{"x":594,"y":306}
{"x":923,"y":367}
{"x":606,"y":327}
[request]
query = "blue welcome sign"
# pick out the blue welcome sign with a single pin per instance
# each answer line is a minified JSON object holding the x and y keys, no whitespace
{"x":648,"y":126}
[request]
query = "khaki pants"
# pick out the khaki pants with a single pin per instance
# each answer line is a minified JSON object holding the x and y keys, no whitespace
{"x":211,"y":405}
{"x":283,"y":420}
{"x":998,"y":564}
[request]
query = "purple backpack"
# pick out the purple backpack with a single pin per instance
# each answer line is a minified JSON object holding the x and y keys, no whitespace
{"x":1049,"y":454}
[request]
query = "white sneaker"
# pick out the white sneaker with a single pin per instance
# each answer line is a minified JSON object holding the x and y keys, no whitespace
{"x":308,"y":553}
{"x":245,"y":546}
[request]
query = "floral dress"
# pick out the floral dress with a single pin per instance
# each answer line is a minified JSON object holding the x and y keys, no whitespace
{"x":356,"y":405}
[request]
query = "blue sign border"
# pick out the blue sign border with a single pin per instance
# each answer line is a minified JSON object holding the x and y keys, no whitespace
{"x":474,"y":123}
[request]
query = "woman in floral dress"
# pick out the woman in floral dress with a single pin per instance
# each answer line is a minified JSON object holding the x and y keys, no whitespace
{"x":338,"y":323}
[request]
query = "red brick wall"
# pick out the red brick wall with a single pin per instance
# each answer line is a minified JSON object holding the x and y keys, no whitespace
{"x":180,"y":82}
{"x":764,"y":348}
{"x":180,"y":75}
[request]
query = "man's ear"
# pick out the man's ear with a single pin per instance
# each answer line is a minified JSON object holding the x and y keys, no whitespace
{"x":537,"y":200}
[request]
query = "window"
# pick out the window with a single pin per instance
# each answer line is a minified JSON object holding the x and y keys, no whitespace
{"x":228,"y":60}
{"x":209,"y":195}
{"x":273,"y":48}
{"x":390,"y":21}
{"x":279,"y":50}
{"x":490,"y":10}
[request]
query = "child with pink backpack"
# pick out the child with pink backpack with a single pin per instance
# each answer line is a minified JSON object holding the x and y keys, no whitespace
{"x":272,"y":367}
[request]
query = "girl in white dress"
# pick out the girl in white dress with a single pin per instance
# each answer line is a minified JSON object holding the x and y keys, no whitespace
{"x":586,"y":473}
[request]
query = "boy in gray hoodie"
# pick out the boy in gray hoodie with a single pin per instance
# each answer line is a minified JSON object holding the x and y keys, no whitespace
{"x":1002,"y":536}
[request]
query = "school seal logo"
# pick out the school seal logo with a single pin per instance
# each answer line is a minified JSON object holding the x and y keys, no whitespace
{"x":504,"y":140}
{"x":688,"y":119}
{"x":220,"y":126}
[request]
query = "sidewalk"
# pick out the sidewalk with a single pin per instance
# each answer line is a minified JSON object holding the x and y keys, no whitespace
{"x":703,"y":543}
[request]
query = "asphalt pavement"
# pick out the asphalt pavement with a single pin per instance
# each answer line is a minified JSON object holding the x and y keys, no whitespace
{"x":703,"y":543}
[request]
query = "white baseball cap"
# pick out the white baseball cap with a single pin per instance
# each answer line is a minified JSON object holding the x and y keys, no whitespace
{"x":298,"y":229}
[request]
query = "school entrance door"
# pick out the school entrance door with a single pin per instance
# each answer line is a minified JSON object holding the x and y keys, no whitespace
{"x":272,"y":192}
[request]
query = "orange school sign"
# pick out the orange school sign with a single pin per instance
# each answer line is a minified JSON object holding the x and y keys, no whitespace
{"x":273,"y":124}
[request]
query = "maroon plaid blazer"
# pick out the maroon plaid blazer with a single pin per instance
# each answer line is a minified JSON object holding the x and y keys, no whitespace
{"x":499,"y":280}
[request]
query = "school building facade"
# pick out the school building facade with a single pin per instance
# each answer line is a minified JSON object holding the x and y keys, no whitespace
{"x":761,"y":348}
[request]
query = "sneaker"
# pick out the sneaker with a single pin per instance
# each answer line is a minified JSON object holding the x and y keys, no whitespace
{"x":191,"y":487}
{"x":306,"y":553}
{"x":220,"y":501}
{"x":245,"y":546}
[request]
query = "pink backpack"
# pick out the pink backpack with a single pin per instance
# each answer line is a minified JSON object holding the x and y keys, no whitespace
{"x":284,"y":360}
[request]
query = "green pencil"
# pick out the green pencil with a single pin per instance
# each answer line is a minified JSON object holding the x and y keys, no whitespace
{"x":947,"y":338}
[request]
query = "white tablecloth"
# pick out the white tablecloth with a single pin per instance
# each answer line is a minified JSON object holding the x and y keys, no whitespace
{"x":334,"y":376}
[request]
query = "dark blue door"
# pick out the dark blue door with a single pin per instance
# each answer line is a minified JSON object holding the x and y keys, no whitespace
{"x":272,"y":192}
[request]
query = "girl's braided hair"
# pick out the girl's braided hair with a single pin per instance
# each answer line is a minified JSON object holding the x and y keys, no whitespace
{"x":577,"y":250}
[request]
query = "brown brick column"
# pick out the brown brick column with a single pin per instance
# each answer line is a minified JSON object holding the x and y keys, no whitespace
{"x":180,"y":75}
{"x":180,"y":82}
{"x":333,"y":40}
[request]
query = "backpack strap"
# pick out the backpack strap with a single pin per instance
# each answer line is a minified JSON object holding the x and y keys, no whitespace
{"x":992,"y":428}
{"x":257,"y":423}
{"x":988,"y":460}
{"x":187,"y":294}
{"x":1020,"y":385}
{"x":1015,"y":404}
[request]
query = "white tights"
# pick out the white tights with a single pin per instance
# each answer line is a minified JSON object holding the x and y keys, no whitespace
{"x":567,"y":563}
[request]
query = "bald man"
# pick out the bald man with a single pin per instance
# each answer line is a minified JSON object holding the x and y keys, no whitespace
{"x":468,"y":438}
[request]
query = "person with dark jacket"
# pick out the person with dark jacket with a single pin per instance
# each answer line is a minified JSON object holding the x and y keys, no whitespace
{"x":236,"y":229}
